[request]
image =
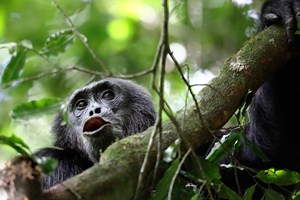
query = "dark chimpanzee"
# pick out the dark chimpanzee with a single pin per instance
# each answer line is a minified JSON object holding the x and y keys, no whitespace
{"x":97,"y":115}
{"x":273,"y":126}
{"x":111,"y":109}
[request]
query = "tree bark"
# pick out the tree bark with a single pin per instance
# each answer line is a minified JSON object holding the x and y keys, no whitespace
{"x":116,"y":176}
{"x":20,"y":179}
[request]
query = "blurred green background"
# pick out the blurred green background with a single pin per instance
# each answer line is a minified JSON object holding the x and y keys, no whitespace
{"x":124,"y":35}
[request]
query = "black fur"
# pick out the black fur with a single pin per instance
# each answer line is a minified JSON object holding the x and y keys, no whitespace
{"x":273,"y":129}
{"x":281,"y":12}
{"x":273,"y":113}
{"x":97,"y":115}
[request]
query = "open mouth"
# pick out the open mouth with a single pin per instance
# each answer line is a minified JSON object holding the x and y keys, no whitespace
{"x":93,"y":126}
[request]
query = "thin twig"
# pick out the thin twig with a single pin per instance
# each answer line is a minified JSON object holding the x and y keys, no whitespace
{"x":153,"y":134}
{"x":46,"y":74}
{"x":165,"y":36}
{"x":135,"y":75}
{"x":160,"y":53}
{"x":82,"y":37}
{"x":189,"y":88}
{"x":45,"y":57}
{"x":176,"y":173}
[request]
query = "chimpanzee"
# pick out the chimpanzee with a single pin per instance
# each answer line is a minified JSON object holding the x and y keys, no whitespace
{"x":273,"y":112}
{"x":97,"y":115}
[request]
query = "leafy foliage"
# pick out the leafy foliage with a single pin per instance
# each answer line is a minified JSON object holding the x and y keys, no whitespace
{"x":16,"y":64}
{"x":16,"y":143}
{"x":58,"y":43}
{"x":164,"y":184}
{"x":206,"y":175}
{"x":36,"y":108}
{"x":279,"y":177}
{"x":271,"y":194}
{"x":229,"y":145}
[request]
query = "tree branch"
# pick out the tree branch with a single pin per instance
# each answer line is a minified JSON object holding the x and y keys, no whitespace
{"x":117,"y":173}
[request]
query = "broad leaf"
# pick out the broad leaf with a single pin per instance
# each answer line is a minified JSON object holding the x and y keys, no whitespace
{"x":227,"y":193}
{"x":16,"y":143}
{"x":296,"y":196}
{"x":279,"y":177}
{"x":16,"y":64}
{"x":36,"y":108}
{"x":162,"y":187}
{"x":222,"y":150}
{"x":249,"y":192}
{"x":271,"y":195}
{"x":58,"y":43}
{"x":210,"y":170}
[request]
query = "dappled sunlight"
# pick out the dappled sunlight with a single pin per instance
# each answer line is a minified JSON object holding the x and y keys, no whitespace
{"x":120,"y":29}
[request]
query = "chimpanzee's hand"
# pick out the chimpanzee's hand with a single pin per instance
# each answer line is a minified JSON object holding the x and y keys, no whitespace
{"x":281,"y":11}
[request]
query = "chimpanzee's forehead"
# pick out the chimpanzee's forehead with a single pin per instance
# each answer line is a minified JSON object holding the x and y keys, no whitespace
{"x":96,"y":86}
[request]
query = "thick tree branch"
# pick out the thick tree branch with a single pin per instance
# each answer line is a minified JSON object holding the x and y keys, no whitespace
{"x":117,"y":174}
{"x":20,"y":179}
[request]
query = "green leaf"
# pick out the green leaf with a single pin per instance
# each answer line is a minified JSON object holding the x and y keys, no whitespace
{"x":183,"y":189}
{"x":16,"y":143}
{"x":10,"y":46}
{"x":180,"y":8}
{"x":16,"y":64}
{"x":210,"y":170}
{"x":296,"y":196}
{"x":196,"y":197}
{"x":162,"y":187}
{"x":271,"y":195}
{"x":58,"y":43}
{"x":227,"y":146}
{"x":227,"y":193}
{"x":279,"y":177}
{"x":298,"y":28}
{"x":189,"y":175}
{"x":249,"y":192}
{"x":36,"y":108}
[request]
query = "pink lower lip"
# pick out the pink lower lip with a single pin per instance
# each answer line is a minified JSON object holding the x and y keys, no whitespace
{"x":93,"y":124}
{"x":95,"y":132}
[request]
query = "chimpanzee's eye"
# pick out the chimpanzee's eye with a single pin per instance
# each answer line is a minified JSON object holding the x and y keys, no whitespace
{"x":81,"y":104}
{"x":108,"y":95}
